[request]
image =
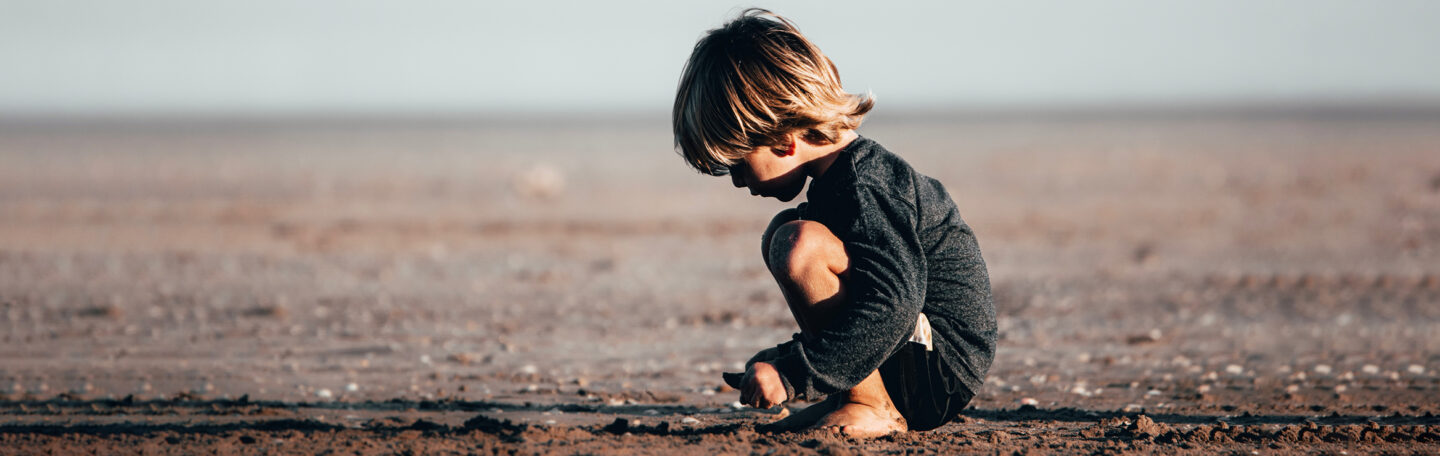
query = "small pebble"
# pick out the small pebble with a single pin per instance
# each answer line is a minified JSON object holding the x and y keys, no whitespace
{"x":1415,"y":369}
{"x":689,"y":420}
{"x":1322,"y":369}
{"x":1029,"y":401}
{"x":1234,"y":369}
{"x":1370,"y":369}
{"x":324,"y":393}
{"x":652,"y":412}
{"x":352,"y":387}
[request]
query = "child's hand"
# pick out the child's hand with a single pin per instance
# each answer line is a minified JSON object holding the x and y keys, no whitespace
{"x":761,"y":387}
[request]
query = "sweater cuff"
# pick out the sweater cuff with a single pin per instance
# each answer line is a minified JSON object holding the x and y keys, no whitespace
{"x":789,"y":389}
{"x":792,"y":370}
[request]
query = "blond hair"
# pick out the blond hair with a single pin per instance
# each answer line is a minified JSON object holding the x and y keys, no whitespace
{"x":751,"y":82}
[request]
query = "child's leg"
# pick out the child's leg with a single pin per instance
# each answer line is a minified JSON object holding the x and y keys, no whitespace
{"x":785,"y":216}
{"x":809,"y":262}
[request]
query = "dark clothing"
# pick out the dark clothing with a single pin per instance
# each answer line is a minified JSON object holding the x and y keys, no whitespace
{"x":922,"y":389}
{"x":909,"y":253}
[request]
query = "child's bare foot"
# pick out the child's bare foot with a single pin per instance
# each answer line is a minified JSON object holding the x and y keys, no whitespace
{"x":805,"y":418}
{"x":850,"y":418}
{"x":864,"y":421}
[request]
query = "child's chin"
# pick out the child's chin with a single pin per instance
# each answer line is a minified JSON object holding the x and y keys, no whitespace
{"x":783,"y":194}
{"x":786,"y":197}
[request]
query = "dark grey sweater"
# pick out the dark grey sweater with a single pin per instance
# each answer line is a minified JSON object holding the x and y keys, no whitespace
{"x":909,"y":253}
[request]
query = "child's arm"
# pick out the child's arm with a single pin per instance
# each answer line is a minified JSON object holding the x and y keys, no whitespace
{"x":885,"y":287}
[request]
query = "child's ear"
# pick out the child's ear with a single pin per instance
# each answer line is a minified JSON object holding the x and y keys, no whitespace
{"x":793,"y":140}
{"x":787,"y":147}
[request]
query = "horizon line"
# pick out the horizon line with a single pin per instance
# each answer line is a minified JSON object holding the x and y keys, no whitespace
{"x":1118,"y":111}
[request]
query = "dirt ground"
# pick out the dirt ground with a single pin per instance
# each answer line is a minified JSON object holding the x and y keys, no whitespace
{"x":1179,"y":284}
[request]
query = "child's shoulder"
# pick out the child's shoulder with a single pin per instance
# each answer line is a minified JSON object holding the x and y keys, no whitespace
{"x":874,"y":165}
{"x":886,"y":175}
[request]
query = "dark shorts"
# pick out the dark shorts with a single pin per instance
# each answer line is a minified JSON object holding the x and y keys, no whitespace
{"x":922,"y":388}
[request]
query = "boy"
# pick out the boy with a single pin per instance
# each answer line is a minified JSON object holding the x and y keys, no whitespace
{"x":897,"y":327}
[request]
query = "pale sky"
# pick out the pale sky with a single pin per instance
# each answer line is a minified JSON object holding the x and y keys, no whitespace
{"x":109,"y":57}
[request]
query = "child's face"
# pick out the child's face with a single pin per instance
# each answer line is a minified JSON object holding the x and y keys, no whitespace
{"x":770,"y":172}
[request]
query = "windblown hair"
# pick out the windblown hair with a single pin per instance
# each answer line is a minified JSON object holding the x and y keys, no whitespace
{"x":751,"y":82}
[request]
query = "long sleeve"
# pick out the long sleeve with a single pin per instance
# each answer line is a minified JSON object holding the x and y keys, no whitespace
{"x":885,"y":290}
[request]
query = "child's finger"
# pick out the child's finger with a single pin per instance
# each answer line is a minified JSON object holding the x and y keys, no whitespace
{"x":775,"y":398}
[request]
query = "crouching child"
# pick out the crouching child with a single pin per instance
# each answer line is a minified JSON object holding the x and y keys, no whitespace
{"x":886,"y":282}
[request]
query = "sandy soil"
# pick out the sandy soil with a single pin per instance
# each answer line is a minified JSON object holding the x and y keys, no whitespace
{"x":1172,"y":284}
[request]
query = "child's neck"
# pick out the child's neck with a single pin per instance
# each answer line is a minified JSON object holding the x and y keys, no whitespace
{"x":824,"y":155}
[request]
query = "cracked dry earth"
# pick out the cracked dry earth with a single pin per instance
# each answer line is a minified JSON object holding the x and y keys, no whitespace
{"x":1180,"y":285}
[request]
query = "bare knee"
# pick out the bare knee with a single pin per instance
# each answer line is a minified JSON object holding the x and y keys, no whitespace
{"x":785,"y":216}
{"x":800,"y":248}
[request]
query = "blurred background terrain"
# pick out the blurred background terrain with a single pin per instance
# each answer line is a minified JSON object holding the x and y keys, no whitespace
{"x":1207,"y":211}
